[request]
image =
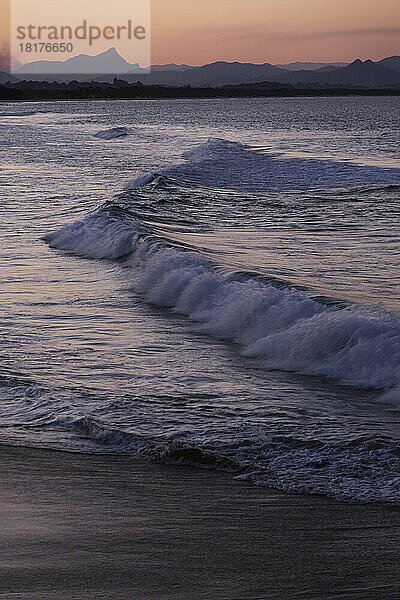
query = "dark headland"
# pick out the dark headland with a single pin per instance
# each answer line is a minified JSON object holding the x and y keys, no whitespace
{"x":120,"y":90}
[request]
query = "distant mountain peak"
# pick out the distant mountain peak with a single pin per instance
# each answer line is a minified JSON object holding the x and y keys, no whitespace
{"x":111,"y":51}
{"x":109,"y":61}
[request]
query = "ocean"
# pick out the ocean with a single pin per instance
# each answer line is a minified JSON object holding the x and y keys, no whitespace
{"x":207,"y":282}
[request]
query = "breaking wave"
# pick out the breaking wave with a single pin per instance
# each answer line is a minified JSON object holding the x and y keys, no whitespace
{"x":221,"y":163}
{"x":284,"y":329}
{"x":272,"y":323}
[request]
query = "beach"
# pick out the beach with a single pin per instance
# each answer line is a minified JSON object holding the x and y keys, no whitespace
{"x":82,"y":526}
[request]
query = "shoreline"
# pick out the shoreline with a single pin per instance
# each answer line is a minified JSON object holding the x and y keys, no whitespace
{"x":77,"y":526}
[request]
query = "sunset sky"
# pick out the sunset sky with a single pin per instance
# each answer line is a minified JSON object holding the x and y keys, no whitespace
{"x":276,"y":31}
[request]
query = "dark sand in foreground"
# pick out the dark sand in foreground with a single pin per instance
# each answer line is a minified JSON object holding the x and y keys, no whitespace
{"x":93,"y":527}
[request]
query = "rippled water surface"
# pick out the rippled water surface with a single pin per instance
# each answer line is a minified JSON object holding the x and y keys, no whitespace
{"x":206,"y":281}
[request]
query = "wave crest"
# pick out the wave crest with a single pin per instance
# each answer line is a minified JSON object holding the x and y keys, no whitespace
{"x":281,"y":327}
{"x":98,"y":235}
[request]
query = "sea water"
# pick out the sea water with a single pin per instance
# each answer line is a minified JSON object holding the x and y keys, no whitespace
{"x":212,"y":282}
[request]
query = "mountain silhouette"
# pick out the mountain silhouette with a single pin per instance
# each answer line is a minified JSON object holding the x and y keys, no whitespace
{"x":171,"y":67}
{"x":310,"y":66}
{"x":215,"y":74}
{"x":360,"y":74}
{"x":392,"y":62}
{"x":106,"y":62}
{"x":107,"y":65}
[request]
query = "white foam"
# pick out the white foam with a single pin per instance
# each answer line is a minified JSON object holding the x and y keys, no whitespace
{"x":359,"y":346}
{"x":96,"y":236}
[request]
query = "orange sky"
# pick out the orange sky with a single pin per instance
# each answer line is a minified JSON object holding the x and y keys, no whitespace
{"x":201,"y":31}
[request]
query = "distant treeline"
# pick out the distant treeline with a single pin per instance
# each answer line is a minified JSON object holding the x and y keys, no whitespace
{"x":119,"y":89}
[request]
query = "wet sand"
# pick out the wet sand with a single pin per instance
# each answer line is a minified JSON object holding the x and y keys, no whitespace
{"x":93,"y":527}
